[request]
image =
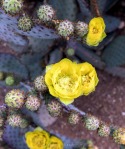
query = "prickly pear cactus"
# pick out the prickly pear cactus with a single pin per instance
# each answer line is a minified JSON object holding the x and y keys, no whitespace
{"x":65,"y":9}
{"x":10,"y":64}
{"x":15,"y":137}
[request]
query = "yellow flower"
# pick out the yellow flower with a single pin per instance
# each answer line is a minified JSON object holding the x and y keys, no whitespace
{"x":38,"y":139}
{"x":96,"y":31}
{"x":64,"y":81}
{"x":89,"y":78}
{"x":55,"y":143}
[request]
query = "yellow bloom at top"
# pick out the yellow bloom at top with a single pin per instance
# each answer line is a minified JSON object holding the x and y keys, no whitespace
{"x":63,"y":81}
{"x":67,"y":80}
{"x":55,"y":143}
{"x":96,"y":31}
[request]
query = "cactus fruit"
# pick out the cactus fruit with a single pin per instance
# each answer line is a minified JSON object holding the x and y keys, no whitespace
{"x":65,"y":28}
{"x":10,"y":80}
{"x":70,"y":52}
{"x":81,"y":29}
{"x":12,"y":7}
{"x":104,"y":130}
{"x":39,"y":84}
{"x":25,"y":23}
{"x":15,"y":98}
{"x":1,"y":76}
{"x":119,"y":136}
{"x":45,"y":13}
{"x":74,"y":118}
{"x":91,"y":122}
{"x":32,"y":103}
{"x":54,"y":108}
{"x":16,"y":120}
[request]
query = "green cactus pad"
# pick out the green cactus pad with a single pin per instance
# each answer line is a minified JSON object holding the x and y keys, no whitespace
{"x":12,"y":6}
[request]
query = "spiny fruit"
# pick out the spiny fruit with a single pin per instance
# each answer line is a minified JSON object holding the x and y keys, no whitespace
{"x":54,"y":107}
{"x":46,"y":13}
{"x":91,"y":122}
{"x":33,"y":103}
{"x":16,"y":120}
{"x":74,"y":118}
{"x":39,"y":84}
{"x":25,"y":23}
{"x":15,"y":98}
{"x":10,"y":80}
{"x":119,"y":136}
{"x":104,"y":130}
{"x":81,"y":28}
{"x":12,"y":7}
{"x":65,"y":28}
{"x":1,"y":76}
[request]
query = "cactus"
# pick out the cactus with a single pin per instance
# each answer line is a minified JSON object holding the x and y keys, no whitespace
{"x":46,"y":13}
{"x":91,"y":122}
{"x":25,"y":23}
{"x":16,"y":120}
{"x":15,"y":98}
{"x":32,"y":103}
{"x":10,"y":80}
{"x":74,"y":118}
{"x":12,"y":6}
{"x":39,"y":84}
{"x":65,"y":9}
{"x":10,"y":64}
{"x":15,"y":137}
{"x":65,"y":28}
{"x":54,"y":107}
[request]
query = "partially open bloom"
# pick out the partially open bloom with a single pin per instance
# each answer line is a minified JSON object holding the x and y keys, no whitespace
{"x":96,"y":31}
{"x":55,"y":143}
{"x":89,"y":78}
{"x":67,"y":80}
{"x":37,"y":139}
{"x":64,"y":81}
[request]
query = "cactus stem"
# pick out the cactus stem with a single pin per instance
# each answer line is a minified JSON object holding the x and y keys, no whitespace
{"x":95,"y":8}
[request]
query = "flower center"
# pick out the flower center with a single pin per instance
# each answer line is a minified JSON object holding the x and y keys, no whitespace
{"x":95,"y":30}
{"x":66,"y":83}
{"x":38,"y":141}
{"x":86,"y":79}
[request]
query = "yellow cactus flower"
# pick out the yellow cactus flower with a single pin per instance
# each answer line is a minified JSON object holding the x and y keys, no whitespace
{"x":37,"y":139}
{"x":89,"y":78}
{"x":64,"y":81}
{"x":96,"y":31}
{"x":55,"y":143}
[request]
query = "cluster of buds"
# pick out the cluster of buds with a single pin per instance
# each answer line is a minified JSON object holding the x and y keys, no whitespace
{"x":46,"y":14}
